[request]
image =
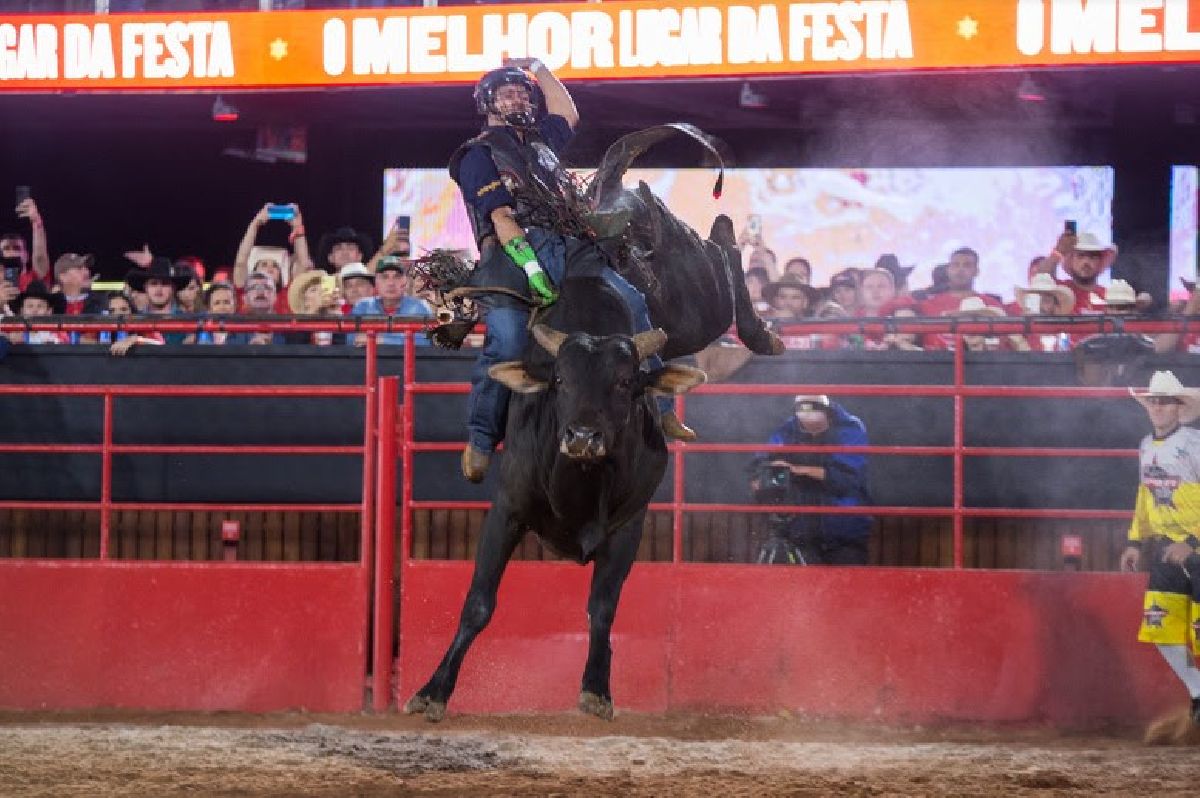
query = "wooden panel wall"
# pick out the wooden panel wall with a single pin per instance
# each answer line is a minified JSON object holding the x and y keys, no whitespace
{"x":454,"y":534}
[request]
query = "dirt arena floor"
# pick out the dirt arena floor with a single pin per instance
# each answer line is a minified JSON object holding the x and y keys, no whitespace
{"x":124,"y":754}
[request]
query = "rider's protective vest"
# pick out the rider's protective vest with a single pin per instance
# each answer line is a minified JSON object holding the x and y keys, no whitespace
{"x":522,"y":167}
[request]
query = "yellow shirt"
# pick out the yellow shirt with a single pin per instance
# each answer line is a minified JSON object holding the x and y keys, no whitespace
{"x":1168,"y":496}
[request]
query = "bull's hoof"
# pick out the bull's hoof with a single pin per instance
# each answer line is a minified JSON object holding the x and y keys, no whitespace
{"x":416,"y":705}
{"x":593,"y":704}
{"x":435,"y":711}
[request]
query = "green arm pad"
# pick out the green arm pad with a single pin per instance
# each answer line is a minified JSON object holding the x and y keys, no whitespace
{"x":519,"y":251}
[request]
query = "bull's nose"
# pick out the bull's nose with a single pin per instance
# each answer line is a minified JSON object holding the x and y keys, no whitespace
{"x":580,"y":441}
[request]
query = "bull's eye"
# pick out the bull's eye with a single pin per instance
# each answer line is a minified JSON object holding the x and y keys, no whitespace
{"x":557,"y":381}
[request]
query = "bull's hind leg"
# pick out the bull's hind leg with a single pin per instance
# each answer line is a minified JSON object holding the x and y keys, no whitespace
{"x":613,"y":561}
{"x":751,"y":329}
{"x":496,"y":544}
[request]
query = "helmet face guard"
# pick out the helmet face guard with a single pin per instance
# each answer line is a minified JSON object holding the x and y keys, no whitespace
{"x":489,"y":84}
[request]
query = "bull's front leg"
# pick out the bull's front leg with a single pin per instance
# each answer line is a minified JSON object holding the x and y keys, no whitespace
{"x":613,"y":561}
{"x":497,"y":541}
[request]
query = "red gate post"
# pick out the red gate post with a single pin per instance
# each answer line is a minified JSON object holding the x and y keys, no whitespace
{"x":385,"y":526}
{"x":106,"y":475}
{"x":367,"y":527}
{"x":959,"y":382}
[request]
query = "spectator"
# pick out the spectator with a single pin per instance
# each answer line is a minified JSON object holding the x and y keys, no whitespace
{"x":974,"y":307}
{"x":248,"y":260}
{"x":356,"y":282}
{"x":36,"y":302}
{"x":904,"y":341}
{"x":188,"y":298}
{"x":135,"y":289}
{"x":757,"y":280}
{"x":118,"y":305}
{"x":1084,"y":259}
{"x":343,"y":246}
{"x":1168,"y":342}
{"x":1044,"y":297}
{"x":801,"y":268}
{"x":891,"y":264}
{"x":1166,"y":520}
{"x":876,"y":289}
{"x":160,"y":282}
{"x":961,"y":273}
{"x":843,"y":289}
{"x":257,"y":300}
{"x":12,"y":245}
{"x":390,"y":300}
{"x":315,"y":293}
{"x":789,"y":298}
{"x":396,"y":243}
{"x":74,"y":276}
{"x":824,"y":479}
{"x":219,"y":299}
{"x":1120,"y":299}
{"x":8,"y":295}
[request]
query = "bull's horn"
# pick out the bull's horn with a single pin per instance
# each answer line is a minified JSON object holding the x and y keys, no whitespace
{"x":550,"y":338}
{"x":649,"y":343}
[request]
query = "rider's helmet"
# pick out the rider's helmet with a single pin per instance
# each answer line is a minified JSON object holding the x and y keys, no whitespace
{"x":489,"y":84}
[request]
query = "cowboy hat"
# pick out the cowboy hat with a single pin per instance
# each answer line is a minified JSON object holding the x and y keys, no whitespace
{"x":771,"y":290}
{"x":37,"y":290}
{"x":1119,"y":292}
{"x":301,"y":285}
{"x":890,"y":263}
{"x":342,"y":235}
{"x":1064,"y":297}
{"x":1164,"y":384}
{"x":1089,"y":242}
{"x":975,"y":306}
{"x":160,"y":269}
{"x":355,"y":271}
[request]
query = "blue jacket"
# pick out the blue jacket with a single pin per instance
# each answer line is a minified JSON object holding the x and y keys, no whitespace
{"x":845,"y":483}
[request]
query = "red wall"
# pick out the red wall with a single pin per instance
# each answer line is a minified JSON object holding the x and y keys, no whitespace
{"x":181,"y":636}
{"x":878,"y":643}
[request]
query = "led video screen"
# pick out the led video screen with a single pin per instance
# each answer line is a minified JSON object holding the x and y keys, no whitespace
{"x":1185,"y":184}
{"x":838,"y":218}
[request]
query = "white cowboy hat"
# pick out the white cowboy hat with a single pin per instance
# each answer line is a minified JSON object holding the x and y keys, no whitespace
{"x":1166,"y":384}
{"x":975,"y":306}
{"x":1119,"y":292}
{"x":1064,"y":297}
{"x":1089,"y":242}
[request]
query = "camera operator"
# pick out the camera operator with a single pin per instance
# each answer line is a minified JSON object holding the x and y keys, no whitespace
{"x":832,"y":479}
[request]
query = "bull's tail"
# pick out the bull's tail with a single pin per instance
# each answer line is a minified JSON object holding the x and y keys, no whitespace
{"x":753,"y":331}
{"x":605,"y":184}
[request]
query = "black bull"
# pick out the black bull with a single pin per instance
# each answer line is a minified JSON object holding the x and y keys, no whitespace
{"x":584,"y":455}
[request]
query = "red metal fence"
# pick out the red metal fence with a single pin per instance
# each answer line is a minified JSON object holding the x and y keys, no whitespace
{"x":274,"y":635}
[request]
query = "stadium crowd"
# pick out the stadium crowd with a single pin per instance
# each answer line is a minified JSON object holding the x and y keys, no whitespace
{"x":344,"y":274}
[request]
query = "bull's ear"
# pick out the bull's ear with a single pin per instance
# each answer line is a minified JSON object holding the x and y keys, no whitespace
{"x":649,"y":343}
{"x":512,"y":375}
{"x":674,"y":378}
{"x":550,"y":338}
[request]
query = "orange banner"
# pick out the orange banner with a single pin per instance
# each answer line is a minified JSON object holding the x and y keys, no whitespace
{"x":601,"y":41}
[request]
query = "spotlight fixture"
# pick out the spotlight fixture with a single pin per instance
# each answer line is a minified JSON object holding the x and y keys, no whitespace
{"x":223,"y":111}
{"x":1030,"y":91}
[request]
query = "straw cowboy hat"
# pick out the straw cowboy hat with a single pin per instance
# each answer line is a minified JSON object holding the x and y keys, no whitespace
{"x":300,"y":285}
{"x":1119,"y":293}
{"x":1064,"y":297}
{"x":1164,"y":384}
{"x":975,"y":306}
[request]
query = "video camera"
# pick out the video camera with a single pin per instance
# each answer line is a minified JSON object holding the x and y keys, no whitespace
{"x":774,"y":484}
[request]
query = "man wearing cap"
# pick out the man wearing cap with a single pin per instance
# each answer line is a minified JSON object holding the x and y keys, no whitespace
{"x":1084,"y":258}
{"x":390,"y":300}
{"x":356,"y":282}
{"x":833,"y":479}
{"x":74,"y":276}
{"x":1166,"y":521}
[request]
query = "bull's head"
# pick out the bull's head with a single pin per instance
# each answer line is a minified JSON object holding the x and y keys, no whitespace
{"x":595,"y":384}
